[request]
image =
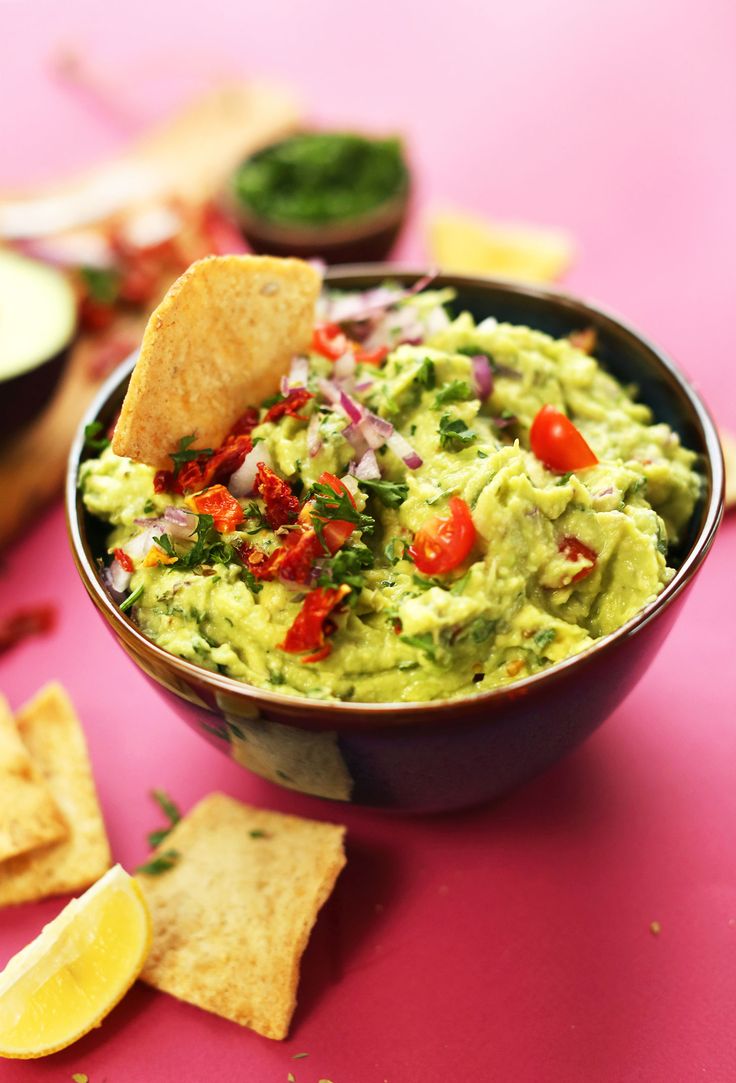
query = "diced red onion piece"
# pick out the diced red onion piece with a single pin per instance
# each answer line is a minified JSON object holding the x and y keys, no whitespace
{"x":482,"y":375}
{"x":117,"y":578}
{"x":242,"y":481}
{"x":352,"y":409}
{"x":180,"y":522}
{"x":330,"y":392}
{"x":380,"y":424}
{"x":314,"y":439}
{"x":401,"y":447}
{"x":139,"y":546}
{"x":354,"y":435}
{"x":364,"y":385}
{"x":367,"y":468}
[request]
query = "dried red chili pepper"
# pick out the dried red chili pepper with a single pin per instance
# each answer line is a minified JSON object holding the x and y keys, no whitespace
{"x":29,"y":621}
{"x":289,"y":406}
{"x":282,"y":506}
{"x":309,"y":628}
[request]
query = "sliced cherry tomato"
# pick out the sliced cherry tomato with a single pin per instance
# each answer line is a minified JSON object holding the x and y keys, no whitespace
{"x":221,"y":505}
{"x":289,"y":406}
{"x":335,"y":531}
{"x":282,"y":506}
{"x":557,"y":443}
{"x":329,"y":340}
{"x":444,"y":541}
{"x":310,"y":626}
{"x":575,"y":550}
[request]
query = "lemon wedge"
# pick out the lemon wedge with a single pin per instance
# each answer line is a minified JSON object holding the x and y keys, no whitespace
{"x":64,"y":982}
{"x":467,"y":244}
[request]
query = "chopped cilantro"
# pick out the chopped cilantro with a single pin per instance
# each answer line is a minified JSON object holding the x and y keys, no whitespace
{"x":258,"y":834}
{"x":390,"y":551}
{"x":391,"y":493}
{"x":170,"y":811}
{"x":328,"y":505}
{"x":427,"y":374}
{"x":481,"y":629}
{"x":563,"y":480}
{"x":427,"y":584}
{"x":165,"y":543}
{"x":454,"y":433}
{"x":255,"y":586}
{"x":209,"y":548}
{"x":456,"y":391}
{"x":545,"y":637}
{"x":185,"y":453}
{"x":161,"y":863}
{"x":92,"y":438}
{"x":131,"y":599}
{"x":102,"y":284}
{"x":481,"y":454}
{"x":408,"y":665}
{"x":254,"y":514}
{"x":423,"y":642}
{"x":148,"y":507}
{"x":272,"y":400}
{"x":346,"y":566}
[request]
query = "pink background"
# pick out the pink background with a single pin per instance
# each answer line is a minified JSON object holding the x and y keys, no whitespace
{"x":509,"y":943}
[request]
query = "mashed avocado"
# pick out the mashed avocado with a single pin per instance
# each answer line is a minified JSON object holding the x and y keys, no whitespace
{"x":558,"y":559}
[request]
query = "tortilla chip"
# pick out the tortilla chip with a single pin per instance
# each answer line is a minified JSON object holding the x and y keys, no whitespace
{"x":470,"y":245}
{"x":232,"y":918}
{"x":728,"y":445}
{"x":29,"y":817}
{"x":219,"y":341}
{"x":53,"y":737}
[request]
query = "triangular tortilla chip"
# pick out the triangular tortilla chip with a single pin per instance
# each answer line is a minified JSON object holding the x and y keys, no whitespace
{"x":53,"y":736}
{"x":232,"y":917}
{"x":728,"y":445}
{"x":219,"y":341}
{"x":29,"y":816}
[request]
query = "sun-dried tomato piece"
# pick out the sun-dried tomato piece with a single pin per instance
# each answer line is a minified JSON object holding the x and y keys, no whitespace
{"x":310,"y":626}
{"x":30,"y":621}
{"x":290,"y":406}
{"x":207,"y":470}
{"x":221,"y":505}
{"x":282,"y":506}
{"x":245,"y":424}
{"x":123,"y":560}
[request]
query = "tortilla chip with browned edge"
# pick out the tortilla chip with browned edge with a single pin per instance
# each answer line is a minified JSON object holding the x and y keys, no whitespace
{"x":232,"y":917}
{"x":29,"y":816}
{"x":728,"y":444}
{"x":53,"y":736}
{"x":219,"y":342}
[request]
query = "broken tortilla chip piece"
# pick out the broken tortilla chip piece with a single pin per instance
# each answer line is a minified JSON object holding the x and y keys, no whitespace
{"x":53,"y":736}
{"x":471,"y":245}
{"x":29,"y":816}
{"x":220,"y":341}
{"x":728,"y":446}
{"x":232,"y":917}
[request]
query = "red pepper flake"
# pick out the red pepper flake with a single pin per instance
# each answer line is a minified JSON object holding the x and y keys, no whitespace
{"x":29,"y":621}
{"x":289,"y":406}
{"x":123,"y":560}
{"x":574,"y":550}
{"x":222,"y":506}
{"x":282,"y":506}
{"x":311,"y":624}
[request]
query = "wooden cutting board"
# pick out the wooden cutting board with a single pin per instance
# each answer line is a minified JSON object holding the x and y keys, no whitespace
{"x":188,"y":158}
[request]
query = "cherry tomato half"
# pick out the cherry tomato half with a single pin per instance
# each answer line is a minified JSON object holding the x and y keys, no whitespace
{"x":557,"y":443}
{"x":444,"y":541}
{"x":329,"y":340}
{"x":335,"y":531}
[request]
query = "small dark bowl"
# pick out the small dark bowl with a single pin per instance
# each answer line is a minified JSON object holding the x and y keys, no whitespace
{"x":24,"y":396}
{"x":451,"y":753}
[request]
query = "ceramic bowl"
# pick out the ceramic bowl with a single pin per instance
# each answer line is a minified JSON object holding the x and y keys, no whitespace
{"x":453,"y":753}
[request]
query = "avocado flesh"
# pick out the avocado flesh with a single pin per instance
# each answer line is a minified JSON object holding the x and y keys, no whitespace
{"x":38,"y":314}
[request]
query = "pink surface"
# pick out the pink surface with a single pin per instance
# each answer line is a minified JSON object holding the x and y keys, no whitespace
{"x":510,"y":943}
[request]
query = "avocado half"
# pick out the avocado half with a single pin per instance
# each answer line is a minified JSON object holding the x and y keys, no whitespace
{"x":38,"y":320}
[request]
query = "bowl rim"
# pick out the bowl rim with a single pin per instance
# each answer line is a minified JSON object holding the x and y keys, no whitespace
{"x":397,"y":713}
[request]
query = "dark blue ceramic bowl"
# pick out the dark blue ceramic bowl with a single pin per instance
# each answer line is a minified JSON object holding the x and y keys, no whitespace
{"x":447,"y":754}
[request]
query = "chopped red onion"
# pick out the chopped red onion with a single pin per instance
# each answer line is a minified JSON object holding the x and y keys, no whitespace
{"x":297,"y":377}
{"x":81,"y":248}
{"x":117,"y":579}
{"x":354,"y":434}
{"x":330,"y":392}
{"x":401,"y":447}
{"x":482,"y":375}
{"x":242,"y":481}
{"x":139,"y":546}
{"x":180,"y":519}
{"x":344,"y":367}
{"x":367,"y":468}
{"x":380,"y":424}
{"x":364,"y":385}
{"x":352,"y":409}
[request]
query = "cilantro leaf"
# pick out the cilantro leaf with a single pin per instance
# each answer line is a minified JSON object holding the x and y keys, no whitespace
{"x":455,"y":391}
{"x":102,"y":283}
{"x":131,"y":599}
{"x":346,"y":566}
{"x":208,"y":548}
{"x":92,"y":438}
{"x":391,"y":493}
{"x":186,"y":453}
{"x":423,"y":642}
{"x":161,"y":863}
{"x":328,"y":505}
{"x":545,"y":637}
{"x":427,"y":374}
{"x":454,"y":433}
{"x":170,"y":811}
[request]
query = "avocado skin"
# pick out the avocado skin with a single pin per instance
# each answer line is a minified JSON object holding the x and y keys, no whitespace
{"x":22,"y":397}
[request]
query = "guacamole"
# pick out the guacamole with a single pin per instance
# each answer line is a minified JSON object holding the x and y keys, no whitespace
{"x":431,"y":507}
